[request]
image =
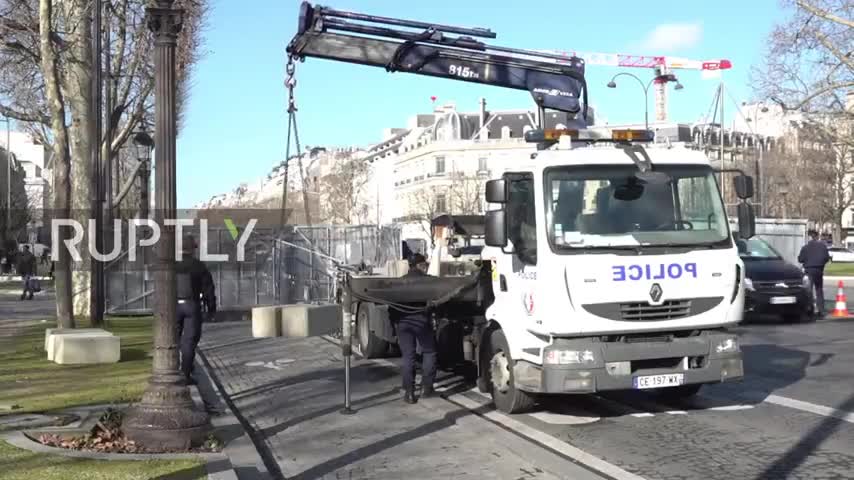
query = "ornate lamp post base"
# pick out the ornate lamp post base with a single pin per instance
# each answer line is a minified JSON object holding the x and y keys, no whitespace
{"x":166,"y":418}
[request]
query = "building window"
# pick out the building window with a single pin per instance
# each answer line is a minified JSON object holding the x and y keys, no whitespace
{"x":441,"y":204}
{"x":440,"y":164}
{"x":506,"y":132}
{"x":481,"y":164}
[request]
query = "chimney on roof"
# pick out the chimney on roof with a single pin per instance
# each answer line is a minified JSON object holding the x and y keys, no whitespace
{"x":484,"y":134}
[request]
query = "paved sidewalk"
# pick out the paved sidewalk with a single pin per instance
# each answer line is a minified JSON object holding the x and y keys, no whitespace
{"x":290,"y":391}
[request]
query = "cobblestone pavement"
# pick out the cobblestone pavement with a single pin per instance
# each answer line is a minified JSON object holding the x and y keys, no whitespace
{"x":290,"y":393}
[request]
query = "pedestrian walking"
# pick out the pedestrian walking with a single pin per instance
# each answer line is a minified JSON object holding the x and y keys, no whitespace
{"x":416,"y":329}
{"x":194,"y":282}
{"x":814,"y":256}
{"x":26,"y":268}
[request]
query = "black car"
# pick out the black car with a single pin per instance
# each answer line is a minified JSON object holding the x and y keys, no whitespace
{"x":774,"y":286}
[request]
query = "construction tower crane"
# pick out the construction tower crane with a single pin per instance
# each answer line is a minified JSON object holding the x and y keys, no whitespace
{"x":661,"y":65}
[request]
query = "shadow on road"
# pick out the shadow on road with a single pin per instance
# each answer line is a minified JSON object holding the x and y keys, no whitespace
{"x":808,"y":444}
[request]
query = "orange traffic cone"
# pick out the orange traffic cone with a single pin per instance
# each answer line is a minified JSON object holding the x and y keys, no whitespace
{"x":841,"y":309}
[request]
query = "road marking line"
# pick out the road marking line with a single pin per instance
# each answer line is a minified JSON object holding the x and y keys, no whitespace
{"x":557,"y":418}
{"x":729,"y":408}
{"x":549,"y":441}
{"x":811,"y":408}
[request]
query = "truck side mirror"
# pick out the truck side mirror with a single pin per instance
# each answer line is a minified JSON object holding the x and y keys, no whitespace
{"x":746,"y":221}
{"x":496,"y":191}
{"x":496,"y":228}
{"x":743,"y":186}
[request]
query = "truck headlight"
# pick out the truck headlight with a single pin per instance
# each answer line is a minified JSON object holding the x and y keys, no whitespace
{"x":568,"y":357}
{"x":727,"y":346}
{"x":748,"y":284}
{"x":805,"y":282}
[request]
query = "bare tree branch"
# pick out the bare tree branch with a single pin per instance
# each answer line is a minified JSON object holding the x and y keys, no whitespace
{"x":23,"y":116}
{"x":824,"y":14}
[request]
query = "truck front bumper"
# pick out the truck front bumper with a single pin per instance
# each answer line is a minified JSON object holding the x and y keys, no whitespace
{"x":589,"y":365}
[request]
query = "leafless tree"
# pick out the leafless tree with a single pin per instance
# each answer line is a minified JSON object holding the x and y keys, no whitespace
{"x":809,"y":70}
{"x":45,"y":73}
{"x":343,"y":189}
{"x":466,"y":194}
{"x":809,"y":63}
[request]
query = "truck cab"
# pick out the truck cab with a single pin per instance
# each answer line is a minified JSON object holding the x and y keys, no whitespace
{"x":613,"y":268}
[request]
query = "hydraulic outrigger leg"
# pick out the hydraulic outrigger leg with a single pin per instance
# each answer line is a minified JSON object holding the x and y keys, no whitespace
{"x":555,"y":81}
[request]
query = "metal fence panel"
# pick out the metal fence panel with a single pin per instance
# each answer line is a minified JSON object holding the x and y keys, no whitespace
{"x":786,"y":236}
{"x":279,"y":266}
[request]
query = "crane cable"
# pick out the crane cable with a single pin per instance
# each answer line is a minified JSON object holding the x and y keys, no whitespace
{"x":290,"y":84}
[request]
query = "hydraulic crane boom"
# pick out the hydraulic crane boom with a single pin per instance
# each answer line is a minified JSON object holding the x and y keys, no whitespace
{"x":555,"y":81}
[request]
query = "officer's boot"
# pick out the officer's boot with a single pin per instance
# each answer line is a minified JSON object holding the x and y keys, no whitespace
{"x":409,"y":395}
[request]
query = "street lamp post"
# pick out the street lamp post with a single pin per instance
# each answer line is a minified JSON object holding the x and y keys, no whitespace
{"x":143,"y":143}
{"x":165,"y":419}
{"x":659,"y":78}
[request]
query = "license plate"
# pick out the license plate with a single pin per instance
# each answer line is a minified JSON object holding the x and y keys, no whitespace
{"x":783,"y":300}
{"x":656,"y":381}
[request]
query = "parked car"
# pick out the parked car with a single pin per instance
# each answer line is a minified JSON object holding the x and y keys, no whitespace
{"x":841,"y":254}
{"x":774,"y":286}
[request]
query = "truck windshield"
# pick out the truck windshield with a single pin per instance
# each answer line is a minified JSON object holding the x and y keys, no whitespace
{"x":610,"y":207}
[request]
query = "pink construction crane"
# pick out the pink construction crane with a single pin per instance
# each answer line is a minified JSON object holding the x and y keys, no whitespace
{"x":662,"y":66}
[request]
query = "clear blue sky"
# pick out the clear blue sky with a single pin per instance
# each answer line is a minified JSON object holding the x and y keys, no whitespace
{"x":236,"y":123}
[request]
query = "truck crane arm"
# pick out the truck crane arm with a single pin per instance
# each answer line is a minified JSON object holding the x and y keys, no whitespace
{"x":555,"y":81}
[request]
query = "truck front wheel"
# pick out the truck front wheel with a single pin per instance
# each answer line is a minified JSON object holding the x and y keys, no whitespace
{"x":505,"y":395}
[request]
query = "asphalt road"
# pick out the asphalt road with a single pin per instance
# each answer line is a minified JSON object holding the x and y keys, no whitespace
{"x":791,"y":418}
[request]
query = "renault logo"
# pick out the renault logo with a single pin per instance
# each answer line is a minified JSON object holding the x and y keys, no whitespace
{"x":655,"y":292}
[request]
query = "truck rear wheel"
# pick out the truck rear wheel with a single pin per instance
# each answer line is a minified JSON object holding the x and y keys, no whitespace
{"x":505,"y":395}
{"x":370,"y":345}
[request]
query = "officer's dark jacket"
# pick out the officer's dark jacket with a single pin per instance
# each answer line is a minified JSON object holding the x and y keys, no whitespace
{"x":193,"y":279}
{"x":814,"y":254}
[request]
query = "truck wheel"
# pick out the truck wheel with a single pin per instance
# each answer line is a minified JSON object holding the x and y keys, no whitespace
{"x":505,"y":395}
{"x":680,"y":392}
{"x":370,"y":345}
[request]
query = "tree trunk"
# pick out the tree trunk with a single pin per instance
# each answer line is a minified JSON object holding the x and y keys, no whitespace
{"x":62,"y":165}
{"x":78,"y":93}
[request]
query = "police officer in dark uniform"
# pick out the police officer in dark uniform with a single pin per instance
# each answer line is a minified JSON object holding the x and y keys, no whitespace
{"x":417,"y":328}
{"x":814,"y":256}
{"x":194,"y":283}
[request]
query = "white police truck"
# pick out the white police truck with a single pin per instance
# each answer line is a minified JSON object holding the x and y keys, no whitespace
{"x":613,"y":268}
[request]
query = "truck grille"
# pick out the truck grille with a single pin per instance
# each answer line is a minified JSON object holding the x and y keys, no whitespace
{"x":644,"y":312}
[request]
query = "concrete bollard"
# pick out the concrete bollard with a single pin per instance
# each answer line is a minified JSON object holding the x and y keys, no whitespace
{"x":266,"y":322}
{"x":305,"y":320}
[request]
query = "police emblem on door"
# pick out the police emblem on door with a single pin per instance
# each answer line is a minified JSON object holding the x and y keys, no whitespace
{"x":528,"y":302}
{"x":655,"y":292}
